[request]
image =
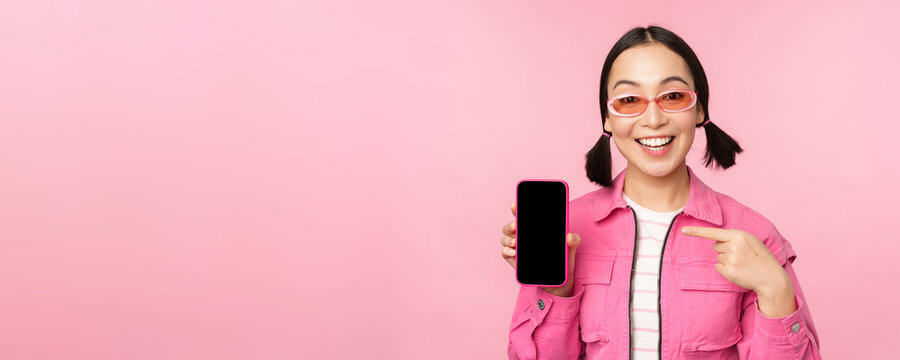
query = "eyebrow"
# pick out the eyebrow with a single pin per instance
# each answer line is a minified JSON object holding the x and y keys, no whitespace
{"x":670,"y":78}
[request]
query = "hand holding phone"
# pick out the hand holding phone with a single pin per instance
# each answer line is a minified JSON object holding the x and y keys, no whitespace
{"x":549,"y":250}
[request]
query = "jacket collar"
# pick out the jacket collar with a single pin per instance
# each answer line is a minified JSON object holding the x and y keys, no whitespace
{"x":702,"y":201}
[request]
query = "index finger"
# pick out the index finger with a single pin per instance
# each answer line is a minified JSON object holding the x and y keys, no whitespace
{"x":707,"y":232}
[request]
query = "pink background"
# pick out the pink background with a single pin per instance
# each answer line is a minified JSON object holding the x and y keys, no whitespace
{"x":273,"y":180}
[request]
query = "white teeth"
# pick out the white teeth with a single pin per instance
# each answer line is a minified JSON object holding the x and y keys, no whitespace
{"x":655,"y":142}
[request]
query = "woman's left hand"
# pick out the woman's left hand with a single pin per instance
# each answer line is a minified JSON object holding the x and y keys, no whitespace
{"x":744,"y":259}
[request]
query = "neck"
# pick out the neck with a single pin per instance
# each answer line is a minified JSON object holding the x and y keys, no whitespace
{"x":658,"y":193}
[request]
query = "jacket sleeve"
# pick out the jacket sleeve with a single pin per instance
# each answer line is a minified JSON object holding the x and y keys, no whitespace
{"x":545,"y":326}
{"x":792,"y":336}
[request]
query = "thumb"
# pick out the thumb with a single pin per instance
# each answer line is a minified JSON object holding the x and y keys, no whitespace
{"x":573,"y":240}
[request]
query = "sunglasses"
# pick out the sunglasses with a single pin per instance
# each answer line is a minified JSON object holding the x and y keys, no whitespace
{"x":674,"y":100}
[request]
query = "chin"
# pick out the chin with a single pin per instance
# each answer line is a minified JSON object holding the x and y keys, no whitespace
{"x":657,"y":171}
{"x":659,"y":168}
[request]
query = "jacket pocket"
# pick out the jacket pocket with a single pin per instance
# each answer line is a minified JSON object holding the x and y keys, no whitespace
{"x":594,"y":271}
{"x":712,"y":308}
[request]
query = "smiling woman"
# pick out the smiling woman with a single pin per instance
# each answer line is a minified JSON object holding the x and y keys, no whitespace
{"x":666,"y":267}
{"x":649,"y":63}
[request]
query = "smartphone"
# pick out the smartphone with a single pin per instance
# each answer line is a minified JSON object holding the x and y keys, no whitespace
{"x":542,"y":222}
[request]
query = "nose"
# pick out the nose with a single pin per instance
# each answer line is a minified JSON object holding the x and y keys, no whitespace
{"x":655,"y":115}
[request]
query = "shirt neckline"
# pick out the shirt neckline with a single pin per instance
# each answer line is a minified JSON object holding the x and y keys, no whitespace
{"x":631,"y":202}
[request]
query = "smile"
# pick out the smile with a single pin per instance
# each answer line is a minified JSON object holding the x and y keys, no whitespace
{"x":657,"y":145}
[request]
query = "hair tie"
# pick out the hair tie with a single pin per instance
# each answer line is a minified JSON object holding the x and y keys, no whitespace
{"x":607,"y":134}
{"x":705,"y":122}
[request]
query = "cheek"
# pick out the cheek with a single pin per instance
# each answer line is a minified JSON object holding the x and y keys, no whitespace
{"x":688,"y":130}
{"x":687,"y":139}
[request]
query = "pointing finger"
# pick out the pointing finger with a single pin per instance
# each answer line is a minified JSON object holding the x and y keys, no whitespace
{"x":708,"y":232}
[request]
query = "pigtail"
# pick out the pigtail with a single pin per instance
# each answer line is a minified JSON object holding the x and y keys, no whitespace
{"x":598,"y":162}
{"x":720,"y":147}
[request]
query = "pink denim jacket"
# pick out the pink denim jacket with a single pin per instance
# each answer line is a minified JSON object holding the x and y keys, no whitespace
{"x":702,"y":314}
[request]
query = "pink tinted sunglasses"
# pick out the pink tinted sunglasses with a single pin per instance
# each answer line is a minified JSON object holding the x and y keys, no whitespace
{"x":674,"y":100}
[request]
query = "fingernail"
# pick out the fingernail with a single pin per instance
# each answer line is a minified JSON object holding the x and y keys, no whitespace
{"x":684,"y":231}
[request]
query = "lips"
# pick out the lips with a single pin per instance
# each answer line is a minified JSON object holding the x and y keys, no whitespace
{"x":655,"y":141}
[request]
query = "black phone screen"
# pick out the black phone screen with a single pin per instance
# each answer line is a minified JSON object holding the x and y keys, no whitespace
{"x":541,"y":227}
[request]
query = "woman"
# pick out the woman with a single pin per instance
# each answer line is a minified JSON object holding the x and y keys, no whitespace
{"x":669,"y":268}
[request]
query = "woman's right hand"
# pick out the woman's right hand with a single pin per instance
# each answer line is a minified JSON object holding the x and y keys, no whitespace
{"x":508,"y":240}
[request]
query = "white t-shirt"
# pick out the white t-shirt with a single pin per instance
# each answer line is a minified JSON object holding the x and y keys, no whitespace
{"x":651,"y":230}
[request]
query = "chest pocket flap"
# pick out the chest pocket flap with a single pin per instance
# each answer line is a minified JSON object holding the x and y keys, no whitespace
{"x":704,"y":276}
{"x":594,"y":268}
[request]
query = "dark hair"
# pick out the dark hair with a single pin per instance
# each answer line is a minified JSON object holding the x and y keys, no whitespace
{"x":720,"y":147}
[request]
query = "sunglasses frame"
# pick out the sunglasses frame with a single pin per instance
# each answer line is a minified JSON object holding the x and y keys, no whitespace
{"x":646,"y":101}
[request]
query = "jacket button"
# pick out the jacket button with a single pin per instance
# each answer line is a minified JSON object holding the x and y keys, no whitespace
{"x":541,"y":306}
{"x":795,"y":328}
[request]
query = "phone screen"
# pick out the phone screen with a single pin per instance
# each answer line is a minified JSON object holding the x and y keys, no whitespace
{"x":541,"y":227}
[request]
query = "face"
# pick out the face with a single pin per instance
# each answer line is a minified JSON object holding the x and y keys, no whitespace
{"x":644,"y":68}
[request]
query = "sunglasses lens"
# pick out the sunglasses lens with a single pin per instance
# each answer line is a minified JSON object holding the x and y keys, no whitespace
{"x":629,"y":105}
{"x":676,"y":100}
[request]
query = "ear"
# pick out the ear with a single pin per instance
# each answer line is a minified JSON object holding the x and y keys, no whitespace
{"x":606,"y":126}
{"x":702,"y":115}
